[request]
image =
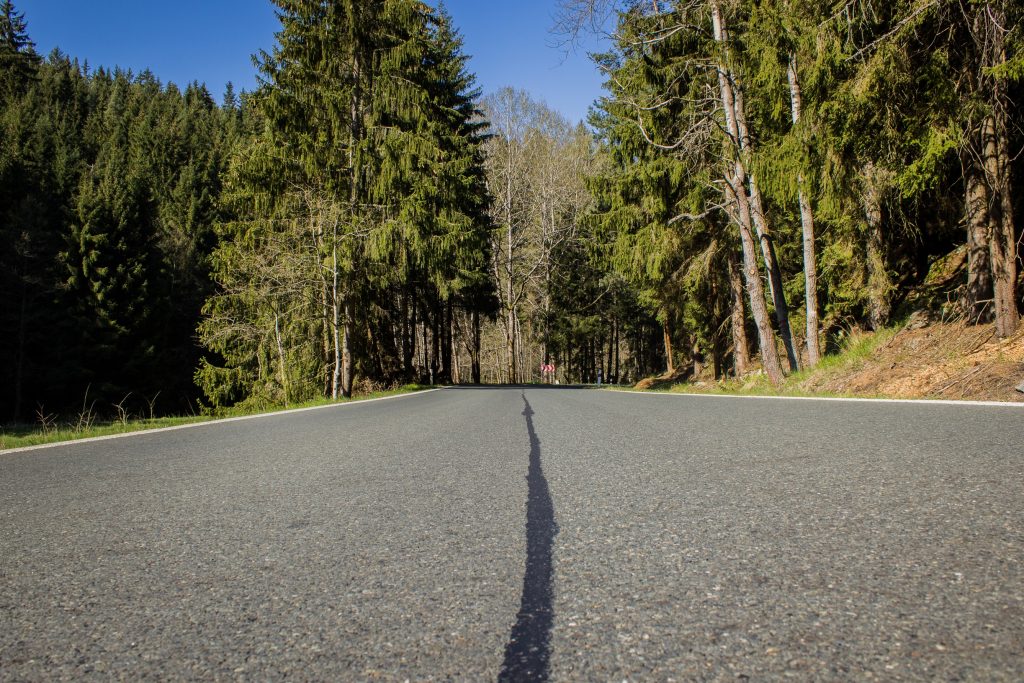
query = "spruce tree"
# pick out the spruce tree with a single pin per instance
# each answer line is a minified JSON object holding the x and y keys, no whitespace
{"x":371,"y":150}
{"x":685,"y":166}
{"x":18,"y":59}
{"x":442,"y":225}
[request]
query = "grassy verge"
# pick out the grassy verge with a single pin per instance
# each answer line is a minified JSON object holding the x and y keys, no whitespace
{"x":856,"y":351}
{"x":18,"y":436}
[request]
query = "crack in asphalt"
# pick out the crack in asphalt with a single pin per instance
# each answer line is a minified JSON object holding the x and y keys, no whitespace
{"x":528,"y":651}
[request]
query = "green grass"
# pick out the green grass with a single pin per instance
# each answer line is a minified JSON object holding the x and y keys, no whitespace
{"x":21,"y":435}
{"x":855,"y":351}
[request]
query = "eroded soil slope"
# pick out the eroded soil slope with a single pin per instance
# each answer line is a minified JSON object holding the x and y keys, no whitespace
{"x":938,"y":360}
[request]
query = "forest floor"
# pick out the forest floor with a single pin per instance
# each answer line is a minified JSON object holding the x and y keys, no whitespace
{"x":22,"y":435}
{"x":919,"y":359}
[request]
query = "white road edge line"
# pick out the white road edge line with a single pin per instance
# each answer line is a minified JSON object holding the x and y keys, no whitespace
{"x":917,"y":401}
{"x":207,"y":423}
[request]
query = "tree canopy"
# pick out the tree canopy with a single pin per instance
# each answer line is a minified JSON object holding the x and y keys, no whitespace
{"x":760,"y":178}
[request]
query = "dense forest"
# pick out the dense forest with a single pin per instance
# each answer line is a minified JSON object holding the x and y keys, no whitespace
{"x":801,"y":166}
{"x":760,"y":178}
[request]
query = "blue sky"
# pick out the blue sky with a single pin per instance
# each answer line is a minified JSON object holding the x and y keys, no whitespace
{"x":212,"y":40}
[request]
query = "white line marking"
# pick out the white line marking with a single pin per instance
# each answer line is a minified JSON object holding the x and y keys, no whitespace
{"x":207,"y":423}
{"x":918,"y":401}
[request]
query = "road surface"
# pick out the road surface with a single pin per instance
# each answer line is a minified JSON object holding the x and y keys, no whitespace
{"x":523,"y":534}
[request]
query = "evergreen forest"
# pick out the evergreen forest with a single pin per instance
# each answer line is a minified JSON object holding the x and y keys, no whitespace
{"x":760,"y":178}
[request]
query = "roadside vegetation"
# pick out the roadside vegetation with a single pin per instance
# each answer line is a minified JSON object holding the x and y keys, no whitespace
{"x":857,"y":349}
{"x":49,"y":429}
{"x":762,"y":182}
{"x":909,"y":360}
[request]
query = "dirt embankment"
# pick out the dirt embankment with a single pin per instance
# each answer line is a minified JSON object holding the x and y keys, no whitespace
{"x":930,"y":356}
{"x":933,"y":360}
{"x":922,"y":359}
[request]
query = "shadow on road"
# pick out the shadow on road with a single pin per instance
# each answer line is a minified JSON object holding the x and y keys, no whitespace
{"x":528,"y":652}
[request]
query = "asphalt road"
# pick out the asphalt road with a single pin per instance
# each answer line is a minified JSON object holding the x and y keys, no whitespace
{"x":510,"y":534}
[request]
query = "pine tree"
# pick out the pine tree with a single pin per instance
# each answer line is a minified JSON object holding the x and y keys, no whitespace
{"x":230,"y":101}
{"x":785,"y":46}
{"x":854,"y":130}
{"x":370,"y":149}
{"x":912,"y":116}
{"x":41,"y":158}
{"x":113,"y":267}
{"x":660,"y":94}
{"x":442,"y":226}
{"x":109,"y":185}
{"x":18,"y":59}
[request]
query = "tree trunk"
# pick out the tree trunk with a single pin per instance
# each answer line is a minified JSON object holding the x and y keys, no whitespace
{"x":810,"y":279}
{"x":775,"y":285}
{"x":425,"y":343}
{"x":879,"y":283}
{"x":1006,"y":304}
{"x":348,"y":367}
{"x":446,"y":344}
{"x":511,"y":346}
{"x":521,"y":377}
{"x":745,"y":151}
{"x":435,"y":346}
{"x":408,"y":335}
{"x":374,"y":351}
{"x":546,"y":341}
{"x":697,"y":357}
{"x":740,"y":346}
{"x":736,"y":190}
{"x":281,"y":357}
{"x":755,"y":291}
{"x":456,"y":336}
{"x":991,"y":30}
{"x":669,"y":361}
{"x":513,"y":320}
{"x":476,"y":348}
{"x":716,"y":357}
{"x":978,"y":293}
{"x":325,"y":336}
{"x":636,"y":349}
{"x":456,"y":365}
{"x":611,"y":355}
{"x":336,"y":324}
{"x":355,"y":183}
{"x":1002,"y":243}
{"x":617,"y":366}
{"x":807,"y":226}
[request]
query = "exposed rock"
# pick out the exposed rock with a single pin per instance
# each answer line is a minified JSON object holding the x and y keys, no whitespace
{"x":919,"y":319}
